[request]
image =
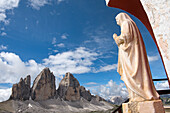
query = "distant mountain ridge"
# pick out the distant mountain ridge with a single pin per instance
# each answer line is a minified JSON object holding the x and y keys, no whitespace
{"x":43,"y":97}
{"x":44,"y":88}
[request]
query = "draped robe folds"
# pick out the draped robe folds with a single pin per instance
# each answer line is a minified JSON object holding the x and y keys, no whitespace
{"x":133,"y":64}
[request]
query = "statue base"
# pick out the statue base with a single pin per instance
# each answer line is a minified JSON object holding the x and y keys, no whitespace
{"x":154,"y":106}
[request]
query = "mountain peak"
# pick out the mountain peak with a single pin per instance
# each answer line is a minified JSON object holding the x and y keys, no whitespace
{"x":21,"y":90}
{"x":44,"y":86}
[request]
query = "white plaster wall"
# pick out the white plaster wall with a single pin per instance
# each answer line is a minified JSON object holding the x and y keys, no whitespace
{"x":158,"y":12}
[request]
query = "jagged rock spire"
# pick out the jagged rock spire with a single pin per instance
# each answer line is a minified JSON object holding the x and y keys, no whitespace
{"x":21,"y":90}
{"x":44,"y":86}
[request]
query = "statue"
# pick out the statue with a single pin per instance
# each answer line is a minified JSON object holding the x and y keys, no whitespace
{"x":133,"y":65}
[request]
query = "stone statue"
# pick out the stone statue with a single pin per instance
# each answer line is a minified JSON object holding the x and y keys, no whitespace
{"x":133,"y":64}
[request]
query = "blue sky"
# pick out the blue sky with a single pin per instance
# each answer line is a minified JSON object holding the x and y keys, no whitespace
{"x":66,"y":36}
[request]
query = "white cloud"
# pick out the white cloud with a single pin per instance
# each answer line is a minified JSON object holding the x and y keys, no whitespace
{"x":60,"y":1}
{"x":36,"y":4}
{"x":2,"y":16}
{"x":98,"y":39}
{"x":3,"y":34}
{"x":64,"y":36}
{"x":162,"y":85}
{"x":2,"y":28}
{"x":78,"y":61}
{"x":107,"y":68}
{"x":91,"y":83}
{"x":61,"y":45}
{"x":12,"y":68}
{"x":55,"y":51}
{"x":7,"y":5}
{"x":110,"y":89}
{"x":5,"y":94}
{"x":2,"y":47}
{"x":54,"y":40}
{"x":153,"y":58}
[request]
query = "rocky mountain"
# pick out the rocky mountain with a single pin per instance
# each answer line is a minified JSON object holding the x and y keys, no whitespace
{"x":43,"y":97}
{"x":69,"y":89}
{"x":44,"y":86}
{"x":21,"y":91}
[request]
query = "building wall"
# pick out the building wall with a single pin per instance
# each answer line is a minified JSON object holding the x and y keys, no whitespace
{"x":158,"y":12}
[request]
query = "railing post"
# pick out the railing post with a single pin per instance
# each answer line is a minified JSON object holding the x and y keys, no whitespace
{"x":120,"y":111}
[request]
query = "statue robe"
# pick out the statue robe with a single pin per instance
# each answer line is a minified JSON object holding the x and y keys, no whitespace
{"x":133,"y":64}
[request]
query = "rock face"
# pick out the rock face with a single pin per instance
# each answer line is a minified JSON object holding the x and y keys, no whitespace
{"x":158,"y":14}
{"x":85,"y":94}
{"x":21,"y":91}
{"x":70,"y":89}
{"x":44,"y":86}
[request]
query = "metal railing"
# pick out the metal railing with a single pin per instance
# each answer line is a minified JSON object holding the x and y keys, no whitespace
{"x":160,"y":92}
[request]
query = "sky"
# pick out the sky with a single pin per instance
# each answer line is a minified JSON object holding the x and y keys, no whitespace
{"x":66,"y":36}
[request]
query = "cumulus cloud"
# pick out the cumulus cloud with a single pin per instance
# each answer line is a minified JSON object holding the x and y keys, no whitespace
{"x":5,"y":93}
{"x":153,"y":58}
{"x":78,"y":61}
{"x":2,"y":47}
{"x":162,"y":85}
{"x":7,"y":5}
{"x":110,"y":89}
{"x":12,"y":67}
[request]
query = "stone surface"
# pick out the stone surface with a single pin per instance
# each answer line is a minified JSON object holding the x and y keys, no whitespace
{"x":44,"y":86}
{"x":158,"y":14}
{"x":21,"y":90}
{"x":85,"y":94}
{"x":154,"y":106}
{"x":70,"y":89}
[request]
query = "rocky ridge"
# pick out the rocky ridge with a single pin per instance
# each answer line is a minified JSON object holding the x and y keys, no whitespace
{"x":44,"y":88}
{"x":43,"y":97}
{"x":21,"y":91}
{"x":70,"y":89}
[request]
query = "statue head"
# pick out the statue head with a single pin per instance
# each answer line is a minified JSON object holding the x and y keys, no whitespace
{"x":122,"y":17}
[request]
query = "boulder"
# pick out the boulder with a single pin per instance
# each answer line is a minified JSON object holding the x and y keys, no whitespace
{"x":44,"y":86}
{"x":21,"y":90}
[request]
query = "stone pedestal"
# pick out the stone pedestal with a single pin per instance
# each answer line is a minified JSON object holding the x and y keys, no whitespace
{"x":154,"y":106}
